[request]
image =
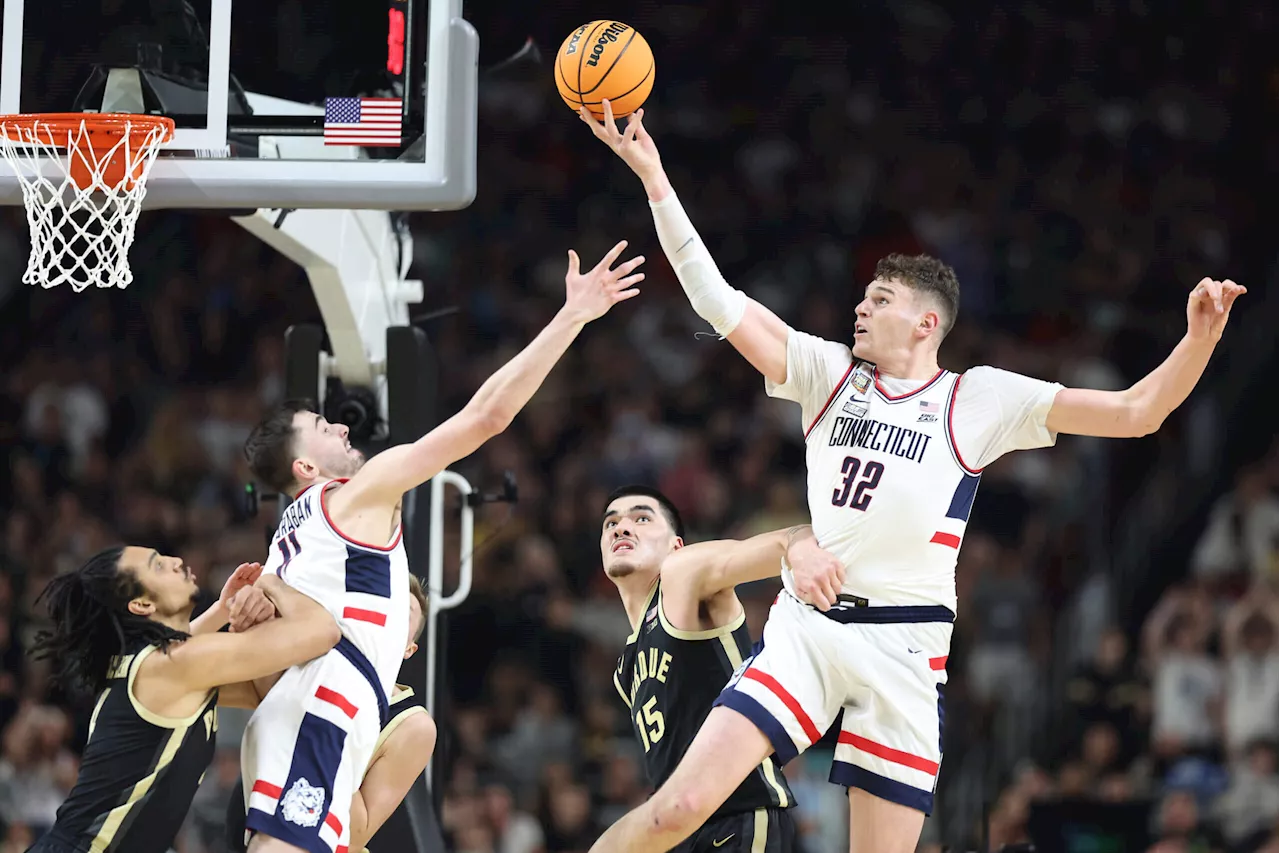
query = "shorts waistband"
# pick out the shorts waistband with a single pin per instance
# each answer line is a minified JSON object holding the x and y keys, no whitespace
{"x":852,"y":609}
{"x":348,"y":650}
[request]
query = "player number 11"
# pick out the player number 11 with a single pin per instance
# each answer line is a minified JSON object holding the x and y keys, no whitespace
{"x":656,"y":726}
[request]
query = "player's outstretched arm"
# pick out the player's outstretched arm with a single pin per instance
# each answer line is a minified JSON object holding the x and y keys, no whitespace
{"x":303,"y":631}
{"x":589,"y":295}
{"x":755,"y":331}
{"x":1141,"y":409}
{"x":704,"y":569}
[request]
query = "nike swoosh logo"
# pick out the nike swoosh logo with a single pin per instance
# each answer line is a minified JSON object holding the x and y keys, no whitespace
{"x":913,"y":651}
{"x":678,"y":251}
{"x":723,"y":841}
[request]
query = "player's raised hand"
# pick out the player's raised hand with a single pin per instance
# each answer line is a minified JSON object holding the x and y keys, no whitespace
{"x":817,"y":574}
{"x":1209,"y":306}
{"x":633,"y":143}
{"x":250,"y":607}
{"x":589,"y":295}
{"x":246,"y":574}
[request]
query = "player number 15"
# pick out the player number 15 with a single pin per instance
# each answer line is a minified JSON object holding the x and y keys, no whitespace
{"x":650,"y":724}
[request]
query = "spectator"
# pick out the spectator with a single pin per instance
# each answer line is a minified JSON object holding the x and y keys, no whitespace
{"x":1252,"y":669}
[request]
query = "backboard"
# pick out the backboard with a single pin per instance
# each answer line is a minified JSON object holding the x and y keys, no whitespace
{"x":248,"y":83}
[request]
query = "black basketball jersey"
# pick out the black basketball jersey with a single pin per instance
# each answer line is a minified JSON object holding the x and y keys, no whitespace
{"x":669,"y":680}
{"x":139,"y":771}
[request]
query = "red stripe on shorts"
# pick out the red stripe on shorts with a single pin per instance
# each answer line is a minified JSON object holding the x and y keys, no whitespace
{"x":272,"y":791}
{"x":331,"y":820}
{"x":341,"y":848}
{"x":938,"y":663}
{"x":364,"y":615}
{"x":949,"y":539}
{"x":897,"y":756}
{"x":810,"y":730}
{"x":324,"y":694}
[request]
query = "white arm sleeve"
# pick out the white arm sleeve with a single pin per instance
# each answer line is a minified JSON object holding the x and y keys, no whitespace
{"x":710,"y":295}
{"x":814,"y":368}
{"x":996,"y":412}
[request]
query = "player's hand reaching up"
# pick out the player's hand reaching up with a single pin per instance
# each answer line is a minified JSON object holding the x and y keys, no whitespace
{"x":633,"y":143}
{"x":246,"y":574}
{"x":1209,"y":306}
{"x":589,"y":295}
{"x":817,"y":574}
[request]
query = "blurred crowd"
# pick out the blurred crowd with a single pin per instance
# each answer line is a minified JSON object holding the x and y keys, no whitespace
{"x":1081,"y":170}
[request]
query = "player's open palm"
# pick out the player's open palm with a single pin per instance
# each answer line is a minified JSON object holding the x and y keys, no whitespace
{"x":633,"y":143}
{"x":1209,"y":306}
{"x":246,"y":574}
{"x":589,"y":295}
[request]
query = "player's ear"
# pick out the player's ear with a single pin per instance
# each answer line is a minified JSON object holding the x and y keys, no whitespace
{"x":679,"y":543}
{"x":142,"y":606}
{"x":409,"y":652}
{"x":929,"y":321}
{"x":304,"y":471}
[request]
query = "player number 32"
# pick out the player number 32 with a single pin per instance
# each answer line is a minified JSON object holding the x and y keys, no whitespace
{"x":650,"y":724}
{"x":855,"y":491}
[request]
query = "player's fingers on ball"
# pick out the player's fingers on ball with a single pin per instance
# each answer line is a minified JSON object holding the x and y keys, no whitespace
{"x":608,"y":115}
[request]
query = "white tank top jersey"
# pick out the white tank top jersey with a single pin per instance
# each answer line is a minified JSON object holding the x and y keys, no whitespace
{"x":365,"y":587}
{"x":894,"y":465}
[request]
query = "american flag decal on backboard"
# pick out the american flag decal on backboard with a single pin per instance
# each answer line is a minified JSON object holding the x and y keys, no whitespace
{"x":926,"y":406}
{"x":372,"y":122}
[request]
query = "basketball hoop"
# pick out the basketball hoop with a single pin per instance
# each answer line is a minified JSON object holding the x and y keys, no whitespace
{"x":83,"y":176}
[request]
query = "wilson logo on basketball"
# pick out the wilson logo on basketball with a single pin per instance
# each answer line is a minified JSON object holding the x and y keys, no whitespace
{"x":606,"y":38}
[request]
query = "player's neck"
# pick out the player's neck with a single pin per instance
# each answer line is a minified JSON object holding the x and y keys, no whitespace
{"x":634,"y":590}
{"x":180,"y":622}
{"x":919,"y":366}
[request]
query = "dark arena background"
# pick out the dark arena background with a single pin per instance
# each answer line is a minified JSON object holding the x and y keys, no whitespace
{"x":1113,"y":678}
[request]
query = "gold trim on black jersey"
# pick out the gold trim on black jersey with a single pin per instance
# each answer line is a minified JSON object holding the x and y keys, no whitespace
{"x":134,"y":663}
{"x":711,"y":633}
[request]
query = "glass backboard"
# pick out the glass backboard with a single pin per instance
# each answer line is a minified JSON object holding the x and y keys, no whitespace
{"x":289,"y":104}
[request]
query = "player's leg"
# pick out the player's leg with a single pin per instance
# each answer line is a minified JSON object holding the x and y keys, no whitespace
{"x":403,"y":750}
{"x":779,"y":701}
{"x":727,"y":748}
{"x":890,"y":744}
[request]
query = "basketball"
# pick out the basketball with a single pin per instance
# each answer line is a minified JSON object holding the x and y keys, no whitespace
{"x":605,"y":60}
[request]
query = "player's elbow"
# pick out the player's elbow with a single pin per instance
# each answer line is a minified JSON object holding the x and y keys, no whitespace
{"x":320,"y":634}
{"x":680,"y":813}
{"x":490,"y":420}
{"x":1142,"y":418}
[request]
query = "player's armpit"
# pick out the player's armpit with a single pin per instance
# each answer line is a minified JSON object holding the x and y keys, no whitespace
{"x":1105,"y":414}
{"x":761,"y":337}
{"x":303,"y":631}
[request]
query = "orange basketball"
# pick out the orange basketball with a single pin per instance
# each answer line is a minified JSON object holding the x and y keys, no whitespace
{"x":605,"y":60}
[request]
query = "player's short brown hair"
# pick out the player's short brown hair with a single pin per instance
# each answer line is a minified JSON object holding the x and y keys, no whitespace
{"x":270,"y":447}
{"x":928,"y":275}
{"x":417,"y":591}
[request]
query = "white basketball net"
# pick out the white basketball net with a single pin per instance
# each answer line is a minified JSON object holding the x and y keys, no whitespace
{"x":79,"y":236}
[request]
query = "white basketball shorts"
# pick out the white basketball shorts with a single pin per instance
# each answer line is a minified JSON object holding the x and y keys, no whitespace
{"x":306,"y":749}
{"x":883,"y":667}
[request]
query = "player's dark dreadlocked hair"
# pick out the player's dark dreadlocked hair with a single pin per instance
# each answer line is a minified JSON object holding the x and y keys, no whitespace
{"x":89,"y":609}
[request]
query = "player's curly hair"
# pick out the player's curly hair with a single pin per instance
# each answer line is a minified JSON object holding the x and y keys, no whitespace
{"x":926,"y":274}
{"x":269,"y":448}
{"x":91,"y":622}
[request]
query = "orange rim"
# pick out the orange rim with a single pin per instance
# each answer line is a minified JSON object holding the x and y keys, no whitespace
{"x":102,"y":129}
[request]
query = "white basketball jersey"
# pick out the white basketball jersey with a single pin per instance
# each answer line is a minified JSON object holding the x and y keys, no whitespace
{"x":889,"y":491}
{"x":365,"y":587}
